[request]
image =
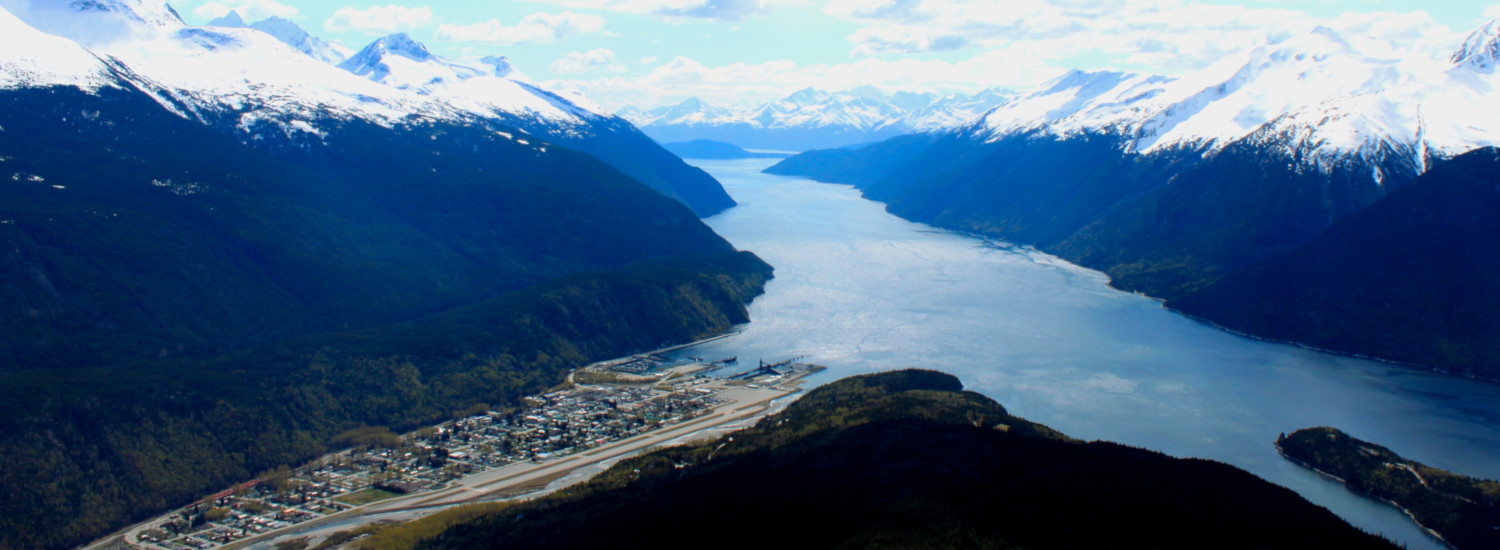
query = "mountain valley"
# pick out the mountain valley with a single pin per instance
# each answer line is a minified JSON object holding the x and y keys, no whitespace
{"x":1152,"y":181}
{"x":232,"y":248}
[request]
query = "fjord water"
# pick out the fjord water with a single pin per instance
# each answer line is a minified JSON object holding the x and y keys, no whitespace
{"x":860,"y":290}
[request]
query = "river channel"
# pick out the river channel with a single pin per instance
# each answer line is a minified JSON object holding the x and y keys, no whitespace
{"x":860,"y":290}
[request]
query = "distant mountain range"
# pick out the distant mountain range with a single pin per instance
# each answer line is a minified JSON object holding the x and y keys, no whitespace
{"x":813,"y":119}
{"x":1172,"y":186}
{"x":292,"y":34}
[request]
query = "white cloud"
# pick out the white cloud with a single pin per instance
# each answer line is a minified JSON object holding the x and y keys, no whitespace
{"x":378,"y":19}
{"x":649,"y":60}
{"x":875,"y":40}
{"x":578,"y":62}
{"x":742,"y":83}
{"x":534,"y":28}
{"x":1492,"y":11}
{"x":250,"y":10}
{"x":718,"y":10}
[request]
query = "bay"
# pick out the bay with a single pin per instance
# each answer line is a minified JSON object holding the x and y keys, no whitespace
{"x":860,"y":290}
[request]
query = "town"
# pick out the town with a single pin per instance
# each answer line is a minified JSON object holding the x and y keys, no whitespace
{"x":623,"y":399}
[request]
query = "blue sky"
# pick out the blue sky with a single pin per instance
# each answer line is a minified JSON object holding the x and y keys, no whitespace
{"x":654,"y":52}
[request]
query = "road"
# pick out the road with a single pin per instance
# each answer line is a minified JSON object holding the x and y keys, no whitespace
{"x":742,"y":405}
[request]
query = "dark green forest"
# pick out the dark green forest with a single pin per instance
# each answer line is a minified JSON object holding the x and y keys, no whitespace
{"x":1464,"y":510}
{"x":902,"y":459}
{"x":181,"y":307}
{"x":1411,"y":278}
{"x":89,"y":450}
{"x":151,"y":235}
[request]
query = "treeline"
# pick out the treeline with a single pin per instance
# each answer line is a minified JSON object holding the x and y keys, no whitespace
{"x":87,"y":451}
{"x":1465,"y":511}
{"x":902,"y":459}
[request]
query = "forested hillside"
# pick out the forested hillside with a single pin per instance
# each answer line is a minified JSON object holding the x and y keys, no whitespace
{"x":902,"y":459}
{"x":89,"y":450}
{"x":1411,"y":278}
{"x":1464,"y":511}
{"x":182,"y":310}
{"x":130,"y":232}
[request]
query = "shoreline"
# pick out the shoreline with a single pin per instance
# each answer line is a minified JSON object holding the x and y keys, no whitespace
{"x":1013,"y":246}
{"x":1413,"y":517}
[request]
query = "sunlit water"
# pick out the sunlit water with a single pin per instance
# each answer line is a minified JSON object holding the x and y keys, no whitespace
{"x":860,"y":290}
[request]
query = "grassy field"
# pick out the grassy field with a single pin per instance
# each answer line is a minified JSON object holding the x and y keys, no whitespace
{"x":366,"y":496}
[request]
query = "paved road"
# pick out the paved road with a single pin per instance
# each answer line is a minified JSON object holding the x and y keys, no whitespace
{"x":743,"y":404}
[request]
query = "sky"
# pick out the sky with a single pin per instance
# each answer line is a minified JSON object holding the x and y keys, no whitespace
{"x":648,"y":53}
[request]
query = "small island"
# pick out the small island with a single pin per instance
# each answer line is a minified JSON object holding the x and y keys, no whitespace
{"x":1462,"y":511}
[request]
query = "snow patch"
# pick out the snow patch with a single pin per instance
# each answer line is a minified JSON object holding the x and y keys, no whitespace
{"x":30,"y":58}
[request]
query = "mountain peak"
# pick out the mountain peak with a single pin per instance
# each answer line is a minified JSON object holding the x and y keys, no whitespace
{"x":807,"y":96}
{"x":155,"y":13}
{"x":1085,"y":81}
{"x":283,"y":29}
{"x":96,"y":23}
{"x":231,"y":19}
{"x":1317,"y":45}
{"x":500,"y":64}
{"x":1326,"y":32}
{"x":404,"y":45}
{"x":371,"y":62}
{"x":1482,"y":49}
{"x":868,"y":92}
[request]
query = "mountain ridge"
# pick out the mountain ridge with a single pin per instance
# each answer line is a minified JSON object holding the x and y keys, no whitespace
{"x":813,"y":119}
{"x":201,"y":72}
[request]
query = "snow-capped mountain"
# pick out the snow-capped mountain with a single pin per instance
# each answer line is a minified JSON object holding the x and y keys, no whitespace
{"x":29,"y":58}
{"x":248,"y":81}
{"x":95,"y":23}
{"x":291,"y":34}
{"x":1166,"y":184}
{"x":812,"y":118}
{"x":1481,"y":50}
{"x":1319,"y":95}
{"x":488,"y":86}
{"x":400,"y":62}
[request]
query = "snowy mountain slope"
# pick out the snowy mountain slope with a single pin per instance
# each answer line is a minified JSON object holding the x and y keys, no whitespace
{"x":29,"y":57}
{"x":96,"y":23}
{"x":1319,"y":96}
{"x":691,"y":111}
{"x":291,"y":34}
{"x":249,"y":82}
{"x":811,"y":118}
{"x":1069,"y":103}
{"x":1482,"y":48}
{"x":252,"y":74}
{"x":486,"y":86}
{"x":235,"y":76}
{"x":811,"y":108}
{"x":400,"y":62}
{"x":489,"y":90}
